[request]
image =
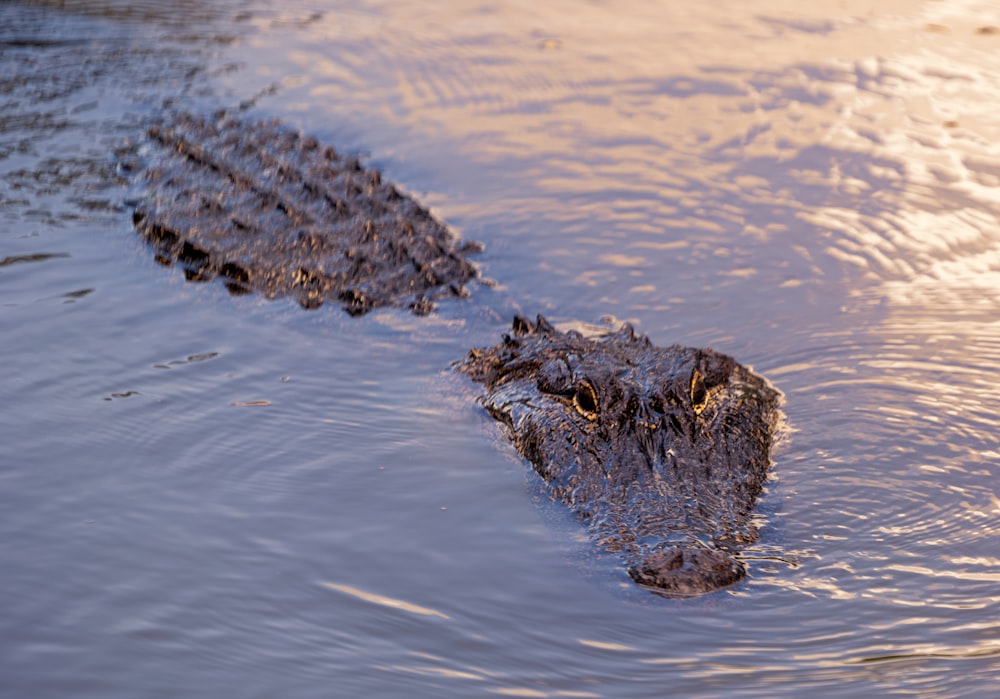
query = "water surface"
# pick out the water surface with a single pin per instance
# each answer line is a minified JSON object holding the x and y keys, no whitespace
{"x":814,"y":191}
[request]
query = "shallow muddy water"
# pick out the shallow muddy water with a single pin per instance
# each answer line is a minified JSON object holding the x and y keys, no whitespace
{"x":815,"y":192}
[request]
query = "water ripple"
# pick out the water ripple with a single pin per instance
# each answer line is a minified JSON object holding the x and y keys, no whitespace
{"x":812,"y":190}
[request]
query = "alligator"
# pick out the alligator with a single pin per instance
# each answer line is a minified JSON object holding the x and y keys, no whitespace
{"x":661,"y":451}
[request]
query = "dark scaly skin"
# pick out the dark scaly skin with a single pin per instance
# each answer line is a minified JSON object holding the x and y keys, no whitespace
{"x":277,"y":213}
{"x":661,"y":451}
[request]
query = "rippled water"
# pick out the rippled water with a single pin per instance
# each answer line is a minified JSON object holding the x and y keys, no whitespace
{"x":814,"y":191}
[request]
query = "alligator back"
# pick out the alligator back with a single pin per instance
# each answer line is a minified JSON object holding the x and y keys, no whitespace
{"x":270,"y":211}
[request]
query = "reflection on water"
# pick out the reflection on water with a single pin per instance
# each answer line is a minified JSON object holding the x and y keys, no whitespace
{"x":811,"y":189}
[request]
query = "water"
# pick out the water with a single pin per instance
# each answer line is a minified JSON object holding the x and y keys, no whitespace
{"x":814,"y":191}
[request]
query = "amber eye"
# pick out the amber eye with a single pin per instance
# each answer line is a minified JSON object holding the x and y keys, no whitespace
{"x":699,"y":394}
{"x":585,"y":400}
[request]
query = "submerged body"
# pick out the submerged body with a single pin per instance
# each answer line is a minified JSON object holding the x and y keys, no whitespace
{"x":661,"y":451}
{"x":271,"y":211}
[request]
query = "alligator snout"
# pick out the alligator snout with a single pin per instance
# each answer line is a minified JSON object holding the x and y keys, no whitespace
{"x":685,"y":572}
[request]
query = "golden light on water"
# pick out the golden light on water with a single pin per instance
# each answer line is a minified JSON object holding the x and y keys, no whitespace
{"x":695,"y":108}
{"x":384,"y":601}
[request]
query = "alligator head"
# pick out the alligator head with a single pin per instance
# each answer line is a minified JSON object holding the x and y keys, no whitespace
{"x":661,"y":451}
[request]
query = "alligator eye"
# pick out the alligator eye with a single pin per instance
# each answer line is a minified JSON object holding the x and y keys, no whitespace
{"x":699,"y":394}
{"x":585,"y":400}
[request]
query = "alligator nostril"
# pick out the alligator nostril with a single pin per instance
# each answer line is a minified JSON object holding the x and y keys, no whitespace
{"x":683,"y":572}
